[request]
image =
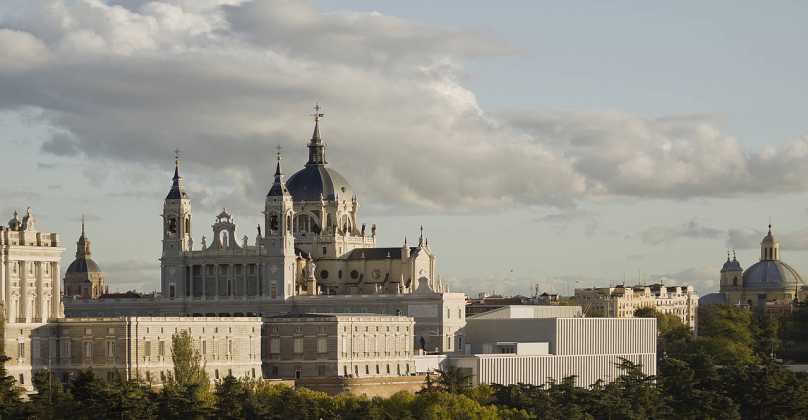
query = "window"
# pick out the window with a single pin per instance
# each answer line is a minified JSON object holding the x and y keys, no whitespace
{"x":88,"y":349}
{"x":88,"y":331}
{"x":321,"y":370}
{"x":325,"y":250}
{"x":324,"y":273}
{"x":298,"y":345}
{"x":339,"y":274}
{"x":356,"y":370}
{"x":147,"y":349}
{"x":274,"y":371}
{"x":22,"y":379}
{"x":66,"y":347}
{"x":204,"y":347}
{"x":20,"y":350}
{"x":448,"y":313}
{"x":377,"y":369}
{"x":322,"y":345}
{"x":110,"y":349}
{"x":110,"y":331}
{"x":354,"y":274}
{"x":229,"y":346}
{"x":253,"y":372}
{"x":161,"y":348}
{"x":367,"y":370}
{"x":216,"y":373}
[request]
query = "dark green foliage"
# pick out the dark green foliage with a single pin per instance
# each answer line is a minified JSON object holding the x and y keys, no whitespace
{"x":10,"y":402}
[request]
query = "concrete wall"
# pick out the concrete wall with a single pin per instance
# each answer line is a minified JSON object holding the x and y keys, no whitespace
{"x":538,"y":370}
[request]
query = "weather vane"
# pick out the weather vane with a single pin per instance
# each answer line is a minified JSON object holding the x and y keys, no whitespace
{"x":317,"y":114}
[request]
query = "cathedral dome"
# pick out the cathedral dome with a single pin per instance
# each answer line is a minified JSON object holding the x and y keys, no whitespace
{"x":771,"y":274}
{"x":83,"y":265}
{"x":313,"y":181}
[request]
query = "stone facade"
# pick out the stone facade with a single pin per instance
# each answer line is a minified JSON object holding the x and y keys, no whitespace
{"x":439,"y":317}
{"x":312,"y":243}
{"x":329,"y":345}
{"x":622,"y":301}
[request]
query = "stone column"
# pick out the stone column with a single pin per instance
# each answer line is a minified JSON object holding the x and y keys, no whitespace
{"x":56,"y":291}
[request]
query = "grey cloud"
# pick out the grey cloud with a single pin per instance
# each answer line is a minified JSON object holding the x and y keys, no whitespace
{"x":563,"y":220}
{"x":692,"y":229}
{"x":61,"y":145}
{"x":747,"y":238}
{"x":227,"y":81}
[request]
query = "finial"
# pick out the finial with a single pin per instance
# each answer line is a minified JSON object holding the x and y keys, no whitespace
{"x":317,"y":114}
{"x":727,"y":255}
{"x":82,"y":224}
{"x":734,"y":258}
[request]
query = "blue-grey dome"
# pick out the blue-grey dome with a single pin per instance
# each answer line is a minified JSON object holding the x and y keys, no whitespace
{"x":731,"y":265}
{"x":83,"y":265}
{"x":771,"y":274}
{"x":309,"y":183}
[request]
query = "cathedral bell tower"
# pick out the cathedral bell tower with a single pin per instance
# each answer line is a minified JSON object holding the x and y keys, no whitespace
{"x":176,"y":233}
{"x":279,"y":241}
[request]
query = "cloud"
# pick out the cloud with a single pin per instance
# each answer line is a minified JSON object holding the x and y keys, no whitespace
{"x":746,"y":238}
{"x":563,"y":220}
{"x":703,"y":279}
{"x":690,"y":230}
{"x":133,"y":274}
{"x":226,"y":81}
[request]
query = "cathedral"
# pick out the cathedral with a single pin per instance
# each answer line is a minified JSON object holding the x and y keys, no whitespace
{"x":312,"y":243}
{"x":769,"y":283}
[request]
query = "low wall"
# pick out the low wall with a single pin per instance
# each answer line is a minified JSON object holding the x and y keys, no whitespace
{"x":377,"y":386}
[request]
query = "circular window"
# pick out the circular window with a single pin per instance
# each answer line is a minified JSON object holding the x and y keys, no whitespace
{"x":324,"y":274}
{"x":354,"y":274}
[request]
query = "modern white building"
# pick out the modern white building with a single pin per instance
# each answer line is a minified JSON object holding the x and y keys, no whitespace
{"x":537,"y":350}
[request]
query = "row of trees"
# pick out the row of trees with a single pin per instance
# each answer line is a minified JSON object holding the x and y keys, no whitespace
{"x":727,"y":372}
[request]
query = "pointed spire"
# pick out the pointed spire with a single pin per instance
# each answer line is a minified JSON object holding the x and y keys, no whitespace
{"x":83,"y":244}
{"x":421,"y":237}
{"x":177,"y":190}
{"x":279,"y":186}
{"x":316,"y":146}
{"x":734,"y":257}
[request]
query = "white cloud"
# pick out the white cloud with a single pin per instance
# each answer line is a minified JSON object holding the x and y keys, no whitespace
{"x":226,"y":81}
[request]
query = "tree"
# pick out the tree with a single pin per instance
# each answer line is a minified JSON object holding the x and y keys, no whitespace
{"x":728,"y":334}
{"x":51,"y":400}
{"x":453,"y":380}
{"x":10,"y":402}
{"x":231,"y":394}
{"x":186,"y":393}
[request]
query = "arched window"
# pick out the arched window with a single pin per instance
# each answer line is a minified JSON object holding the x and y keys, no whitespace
{"x":224,"y":239}
{"x":187,"y":225}
{"x":273,"y":222}
{"x":171,"y":225}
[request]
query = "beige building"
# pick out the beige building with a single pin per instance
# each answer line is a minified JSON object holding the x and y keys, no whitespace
{"x":35,"y":335}
{"x":769,"y":284}
{"x":83,"y":277}
{"x":338,"y":345}
{"x":622,"y":301}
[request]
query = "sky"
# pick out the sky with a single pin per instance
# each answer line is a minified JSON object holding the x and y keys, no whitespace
{"x":564,"y":145}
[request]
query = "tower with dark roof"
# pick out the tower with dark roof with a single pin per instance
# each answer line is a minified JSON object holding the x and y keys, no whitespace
{"x":176,"y":233}
{"x":279,"y":241}
{"x":83,"y":277}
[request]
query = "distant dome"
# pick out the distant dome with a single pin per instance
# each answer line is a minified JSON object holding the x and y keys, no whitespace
{"x":83,"y":265}
{"x":771,"y":274}
{"x":731,"y":266}
{"x":312,"y":181}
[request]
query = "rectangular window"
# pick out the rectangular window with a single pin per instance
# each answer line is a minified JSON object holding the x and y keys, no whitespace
{"x":20,"y":350}
{"x":322,"y":345}
{"x":110,"y":349}
{"x":204,"y":347}
{"x":298,"y":345}
{"x":147,"y":349}
{"x":274,"y":345}
{"x":321,"y":370}
{"x":161,"y":348}
{"x":88,"y":349}
{"x":67,"y":347}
